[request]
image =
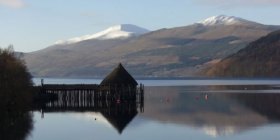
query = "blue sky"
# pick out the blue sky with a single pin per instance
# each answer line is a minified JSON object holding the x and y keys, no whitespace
{"x":31,"y":25}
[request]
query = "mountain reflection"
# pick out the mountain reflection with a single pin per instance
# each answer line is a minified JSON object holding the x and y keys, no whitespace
{"x":215,"y":113}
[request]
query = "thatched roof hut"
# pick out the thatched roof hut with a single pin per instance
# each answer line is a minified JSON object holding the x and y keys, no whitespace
{"x":119,"y":76}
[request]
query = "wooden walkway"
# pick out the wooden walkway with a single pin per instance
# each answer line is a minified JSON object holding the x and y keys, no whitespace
{"x":88,"y":97}
{"x":69,"y":87}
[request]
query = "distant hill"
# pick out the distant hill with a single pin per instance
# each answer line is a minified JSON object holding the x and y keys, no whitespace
{"x":179,"y":52}
{"x":260,"y":58}
{"x":121,"y":31}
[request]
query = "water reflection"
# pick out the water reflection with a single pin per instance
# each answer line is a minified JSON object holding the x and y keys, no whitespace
{"x":15,"y":125}
{"x":120,"y":115}
{"x":215,"y":113}
{"x":118,"y":105}
{"x":15,"y":119}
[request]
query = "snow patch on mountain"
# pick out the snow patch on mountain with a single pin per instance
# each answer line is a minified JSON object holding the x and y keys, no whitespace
{"x":225,"y":20}
{"x":121,"y":31}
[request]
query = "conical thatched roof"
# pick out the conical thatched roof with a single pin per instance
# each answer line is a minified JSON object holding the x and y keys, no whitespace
{"x":119,"y":76}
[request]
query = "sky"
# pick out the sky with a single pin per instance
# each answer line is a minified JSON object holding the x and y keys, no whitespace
{"x":31,"y":25}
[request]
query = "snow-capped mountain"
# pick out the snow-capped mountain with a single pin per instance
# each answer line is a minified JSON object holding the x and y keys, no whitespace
{"x":190,"y":48}
{"x":121,"y":31}
{"x":225,"y":20}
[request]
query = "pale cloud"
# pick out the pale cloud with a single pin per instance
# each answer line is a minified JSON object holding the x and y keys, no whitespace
{"x":241,"y":2}
{"x":12,"y":3}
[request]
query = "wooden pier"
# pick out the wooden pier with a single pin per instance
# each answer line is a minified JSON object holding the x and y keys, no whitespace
{"x":119,"y":87}
{"x":89,"y":97}
{"x":119,"y":104}
{"x":59,"y":87}
{"x":118,"y":98}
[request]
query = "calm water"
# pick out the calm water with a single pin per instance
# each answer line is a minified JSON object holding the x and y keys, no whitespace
{"x":175,"y":109}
